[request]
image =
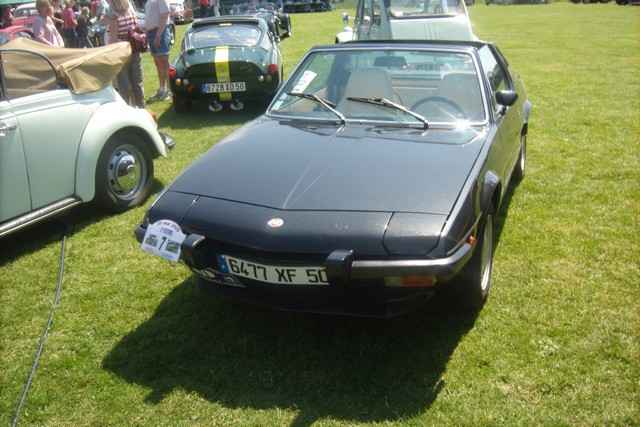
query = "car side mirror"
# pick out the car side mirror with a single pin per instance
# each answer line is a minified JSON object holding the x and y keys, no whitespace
{"x":506,"y":98}
{"x":345,"y":17}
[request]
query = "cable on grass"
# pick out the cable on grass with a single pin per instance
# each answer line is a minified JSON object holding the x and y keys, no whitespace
{"x":46,"y":331}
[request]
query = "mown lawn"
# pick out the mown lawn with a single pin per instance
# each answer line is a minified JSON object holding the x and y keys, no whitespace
{"x":132,"y":343}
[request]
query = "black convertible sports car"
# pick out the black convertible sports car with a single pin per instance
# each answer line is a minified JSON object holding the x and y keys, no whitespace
{"x":372,"y":181}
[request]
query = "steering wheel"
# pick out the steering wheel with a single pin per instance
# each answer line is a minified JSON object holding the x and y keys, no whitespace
{"x":440,"y":99}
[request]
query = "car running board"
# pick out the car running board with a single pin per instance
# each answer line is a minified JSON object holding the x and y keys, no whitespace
{"x":38,"y":215}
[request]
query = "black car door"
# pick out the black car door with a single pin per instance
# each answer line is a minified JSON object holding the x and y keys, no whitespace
{"x":508,"y":119}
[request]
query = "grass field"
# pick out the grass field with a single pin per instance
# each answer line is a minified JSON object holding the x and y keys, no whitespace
{"x":132,"y":343}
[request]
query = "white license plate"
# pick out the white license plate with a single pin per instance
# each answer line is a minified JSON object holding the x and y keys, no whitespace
{"x":223,"y":87}
{"x":281,"y":275}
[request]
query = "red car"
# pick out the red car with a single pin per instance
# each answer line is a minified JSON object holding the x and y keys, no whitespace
{"x":24,"y":14}
{"x":13,"y":32}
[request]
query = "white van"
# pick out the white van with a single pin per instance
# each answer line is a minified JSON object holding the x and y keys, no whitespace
{"x":408,"y":20}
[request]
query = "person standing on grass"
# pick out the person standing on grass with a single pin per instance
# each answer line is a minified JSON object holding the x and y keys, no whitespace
{"x":130,"y":85}
{"x":82,"y":30}
{"x":215,"y":5}
{"x":44,"y":29}
{"x":204,"y":7}
{"x":70,"y":23}
{"x":159,"y":39}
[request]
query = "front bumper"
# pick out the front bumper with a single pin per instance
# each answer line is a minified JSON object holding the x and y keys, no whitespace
{"x":168,"y":141}
{"x":355,"y":286}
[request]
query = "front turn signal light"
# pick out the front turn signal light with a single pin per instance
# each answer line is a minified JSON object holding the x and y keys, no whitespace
{"x":411,"y":281}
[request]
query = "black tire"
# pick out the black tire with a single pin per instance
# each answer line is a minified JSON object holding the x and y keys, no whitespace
{"x":181,"y":107}
{"x":521,"y":164}
{"x":290,"y":28}
{"x":470,"y":288}
{"x":172,"y":31}
{"x":124,"y":174}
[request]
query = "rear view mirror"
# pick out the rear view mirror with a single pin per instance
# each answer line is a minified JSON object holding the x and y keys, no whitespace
{"x":506,"y":98}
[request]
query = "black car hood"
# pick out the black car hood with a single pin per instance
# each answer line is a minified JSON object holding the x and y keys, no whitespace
{"x":279,"y":165}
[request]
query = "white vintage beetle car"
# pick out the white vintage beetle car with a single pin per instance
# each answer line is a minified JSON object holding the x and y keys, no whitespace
{"x":67,"y":137}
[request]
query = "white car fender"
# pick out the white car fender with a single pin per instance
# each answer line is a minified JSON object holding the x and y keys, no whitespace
{"x":108,"y":119}
{"x":345,"y":35}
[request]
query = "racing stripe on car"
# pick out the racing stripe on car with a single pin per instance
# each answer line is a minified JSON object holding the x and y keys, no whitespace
{"x":222,"y":69}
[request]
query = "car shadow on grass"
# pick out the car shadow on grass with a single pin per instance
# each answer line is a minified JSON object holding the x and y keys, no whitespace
{"x":236,"y":355}
{"x":42,"y":234}
{"x":200,"y":116}
{"x":503,"y":213}
{"x":242,"y":356}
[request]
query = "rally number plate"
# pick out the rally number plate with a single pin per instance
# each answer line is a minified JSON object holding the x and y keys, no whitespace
{"x":224,"y":87}
{"x":281,"y":275}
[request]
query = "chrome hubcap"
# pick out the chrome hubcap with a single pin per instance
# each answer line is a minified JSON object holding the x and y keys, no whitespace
{"x":126,"y":172}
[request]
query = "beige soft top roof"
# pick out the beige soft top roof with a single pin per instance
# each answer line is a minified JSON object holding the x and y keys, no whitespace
{"x":82,"y":70}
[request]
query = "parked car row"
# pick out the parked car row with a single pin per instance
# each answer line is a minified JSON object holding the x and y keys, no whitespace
{"x":372,"y":180}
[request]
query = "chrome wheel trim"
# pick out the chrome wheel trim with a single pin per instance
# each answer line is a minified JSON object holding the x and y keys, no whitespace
{"x":126,"y":172}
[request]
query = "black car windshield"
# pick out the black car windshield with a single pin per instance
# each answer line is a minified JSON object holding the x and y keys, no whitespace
{"x":224,"y":35}
{"x":431,"y":85}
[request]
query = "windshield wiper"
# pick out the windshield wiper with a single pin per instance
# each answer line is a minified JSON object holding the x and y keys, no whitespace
{"x":386,"y":103}
{"x":327,"y":104}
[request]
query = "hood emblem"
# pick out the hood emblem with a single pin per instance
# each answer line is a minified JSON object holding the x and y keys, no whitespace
{"x":275,"y":222}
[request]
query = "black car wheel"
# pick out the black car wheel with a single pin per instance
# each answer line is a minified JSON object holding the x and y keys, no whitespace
{"x":288,"y":27}
{"x":124,"y":174}
{"x":172,"y":31}
{"x":470,"y":288}
{"x":521,"y":164}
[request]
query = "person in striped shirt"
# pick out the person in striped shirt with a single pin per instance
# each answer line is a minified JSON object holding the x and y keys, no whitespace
{"x":122,"y":17}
